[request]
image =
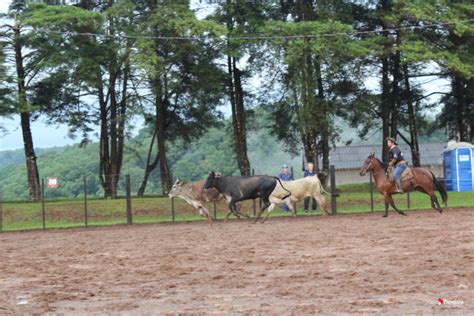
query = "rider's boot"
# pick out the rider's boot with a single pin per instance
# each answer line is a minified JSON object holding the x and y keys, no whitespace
{"x":398,"y":188}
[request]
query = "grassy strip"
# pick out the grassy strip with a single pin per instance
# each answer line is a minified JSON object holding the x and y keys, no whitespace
{"x":70,"y":213}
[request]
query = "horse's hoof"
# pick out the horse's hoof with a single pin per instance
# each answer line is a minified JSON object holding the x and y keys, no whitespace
{"x":403,"y":213}
{"x":385,"y":215}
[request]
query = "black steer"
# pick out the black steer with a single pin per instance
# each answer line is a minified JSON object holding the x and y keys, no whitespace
{"x":243,"y":188}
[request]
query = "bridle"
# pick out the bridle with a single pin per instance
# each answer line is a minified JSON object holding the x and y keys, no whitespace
{"x":368,"y":166}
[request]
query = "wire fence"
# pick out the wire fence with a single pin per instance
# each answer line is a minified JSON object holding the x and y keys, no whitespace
{"x":66,"y":204}
{"x":74,"y":185}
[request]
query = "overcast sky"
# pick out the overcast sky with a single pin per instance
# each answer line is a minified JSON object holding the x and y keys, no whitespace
{"x":4,"y":5}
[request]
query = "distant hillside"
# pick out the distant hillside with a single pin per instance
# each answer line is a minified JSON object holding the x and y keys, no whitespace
{"x":17,"y":156}
{"x":70,"y":164}
{"x":213,"y":151}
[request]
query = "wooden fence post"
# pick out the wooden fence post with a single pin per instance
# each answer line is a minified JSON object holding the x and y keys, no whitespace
{"x":215,"y":210}
{"x":43,"y":211}
{"x":334,"y":193}
{"x":43,"y":208}
{"x":371,"y":193}
{"x":85,"y":202}
{"x":172,"y":210}
{"x":254,"y":204}
{"x":293,"y":177}
{"x":408,"y":200}
{"x":1,"y":213}
{"x":129,"y":200}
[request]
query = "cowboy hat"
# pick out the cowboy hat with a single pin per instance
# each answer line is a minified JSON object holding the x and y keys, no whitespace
{"x":391,"y":139}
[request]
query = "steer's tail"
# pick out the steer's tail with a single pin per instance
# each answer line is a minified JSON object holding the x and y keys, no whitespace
{"x":324,"y":191}
{"x":321,"y":189}
{"x":289,"y":193}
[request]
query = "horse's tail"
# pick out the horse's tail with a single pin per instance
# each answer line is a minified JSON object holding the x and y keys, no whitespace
{"x":441,"y":189}
{"x":289,"y":193}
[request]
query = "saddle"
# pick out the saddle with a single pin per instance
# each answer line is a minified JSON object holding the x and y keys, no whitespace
{"x":407,"y":174}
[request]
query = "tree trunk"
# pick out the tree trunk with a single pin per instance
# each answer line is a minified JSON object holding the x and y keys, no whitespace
{"x":112,"y":160}
{"x":165,"y":174}
{"x":460,"y":108}
{"x":315,"y":133}
{"x":30,"y":156}
{"x":31,"y":166}
{"x":310,"y":149}
{"x":307,"y":104}
{"x":415,"y":150}
{"x":395,"y":99}
{"x":108,"y":142}
{"x":238,"y":115}
{"x":308,"y":137}
{"x":149,"y":166}
{"x":236,"y":96}
{"x":324,"y":124}
{"x":385,"y":107}
{"x":244,"y":164}
{"x":104,"y":168}
{"x":470,"y":110}
{"x":161,"y":110}
{"x":114,"y":106}
{"x":385,"y":102}
{"x":112,"y":132}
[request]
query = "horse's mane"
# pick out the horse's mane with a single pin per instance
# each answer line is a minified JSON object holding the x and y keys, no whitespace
{"x":383,"y":164}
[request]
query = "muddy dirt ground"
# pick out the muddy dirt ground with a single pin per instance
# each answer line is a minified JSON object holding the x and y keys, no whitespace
{"x":348,"y":264}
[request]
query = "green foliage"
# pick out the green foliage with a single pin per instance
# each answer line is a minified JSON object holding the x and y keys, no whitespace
{"x":66,"y":71}
{"x":181,"y":75}
{"x":60,"y":18}
{"x":212,"y":152}
{"x":322,"y":78}
{"x":326,"y":39}
{"x":450,"y":42}
{"x":54,"y":59}
{"x":6,"y":102}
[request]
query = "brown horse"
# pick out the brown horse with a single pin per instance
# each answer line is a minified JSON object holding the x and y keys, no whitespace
{"x":423,"y":181}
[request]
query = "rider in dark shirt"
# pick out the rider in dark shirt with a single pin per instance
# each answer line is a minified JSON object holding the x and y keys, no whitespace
{"x":397,"y":160}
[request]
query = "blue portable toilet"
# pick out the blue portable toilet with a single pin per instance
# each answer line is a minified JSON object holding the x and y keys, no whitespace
{"x":458,"y":164}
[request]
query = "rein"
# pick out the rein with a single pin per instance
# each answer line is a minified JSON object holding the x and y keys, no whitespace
{"x":373,"y":169}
